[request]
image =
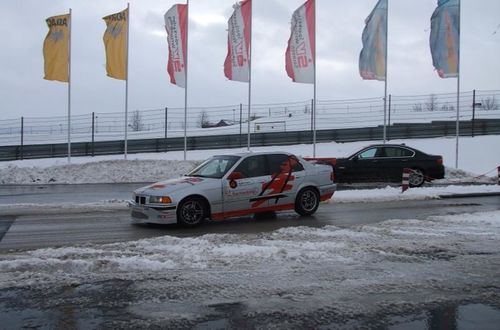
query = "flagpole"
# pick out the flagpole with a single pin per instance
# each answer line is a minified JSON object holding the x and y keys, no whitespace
{"x":385,"y":69}
{"x":457,"y":130}
{"x":126,"y":82}
{"x":314,"y":86}
{"x":186,"y":80}
{"x":69,"y":87}
{"x":250,"y":76}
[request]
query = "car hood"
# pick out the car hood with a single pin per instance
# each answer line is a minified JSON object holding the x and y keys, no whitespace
{"x":174,"y":185}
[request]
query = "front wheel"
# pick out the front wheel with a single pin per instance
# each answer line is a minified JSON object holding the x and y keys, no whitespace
{"x":416,"y":178}
{"x":307,"y":201}
{"x":191,"y":212}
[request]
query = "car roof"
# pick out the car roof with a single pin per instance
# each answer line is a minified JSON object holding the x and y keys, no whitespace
{"x":389,"y":145}
{"x":251,"y":153}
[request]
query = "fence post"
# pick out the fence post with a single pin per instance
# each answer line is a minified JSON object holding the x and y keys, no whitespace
{"x":22,"y":138}
{"x":241,"y":115}
{"x":93,"y":131}
{"x":389,"y":118}
{"x":312,"y":114}
{"x":166,"y":128}
{"x":473,"y":110}
{"x":406,"y":177}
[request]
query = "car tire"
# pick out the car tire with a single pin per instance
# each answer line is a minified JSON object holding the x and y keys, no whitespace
{"x":191,"y":212}
{"x":307,"y":201}
{"x":416,"y":178}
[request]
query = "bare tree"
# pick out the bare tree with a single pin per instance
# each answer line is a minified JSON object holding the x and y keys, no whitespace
{"x":136,"y":122}
{"x":432,"y":103}
{"x":447,"y":107}
{"x":203,"y":120}
{"x":417,"y":107}
{"x":489,"y":103}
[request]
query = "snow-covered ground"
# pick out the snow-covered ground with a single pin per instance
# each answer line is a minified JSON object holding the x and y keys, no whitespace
{"x":477,"y":156}
{"x":395,"y":254}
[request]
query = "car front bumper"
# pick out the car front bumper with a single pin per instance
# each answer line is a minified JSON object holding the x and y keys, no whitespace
{"x":141,"y":213}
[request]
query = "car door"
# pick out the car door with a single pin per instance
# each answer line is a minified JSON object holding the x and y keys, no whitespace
{"x":287,"y":173}
{"x":394,"y":160}
{"x":362,"y":167}
{"x":243,"y":186}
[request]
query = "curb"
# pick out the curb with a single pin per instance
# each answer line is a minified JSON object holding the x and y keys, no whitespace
{"x":485,"y":194}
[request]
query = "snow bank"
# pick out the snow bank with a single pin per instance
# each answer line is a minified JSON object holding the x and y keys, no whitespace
{"x":394,"y":193}
{"x":391,"y":252}
{"x":477,"y":157}
{"x":105,"y":171}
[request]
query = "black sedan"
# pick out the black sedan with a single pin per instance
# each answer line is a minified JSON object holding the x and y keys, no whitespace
{"x":385,"y":163}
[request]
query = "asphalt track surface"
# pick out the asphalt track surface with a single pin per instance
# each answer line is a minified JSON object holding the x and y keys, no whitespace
{"x":28,"y":228}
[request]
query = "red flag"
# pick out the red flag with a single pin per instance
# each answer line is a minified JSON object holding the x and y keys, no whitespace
{"x":176,"y":25}
{"x":236,"y":65}
{"x":300,"y":56}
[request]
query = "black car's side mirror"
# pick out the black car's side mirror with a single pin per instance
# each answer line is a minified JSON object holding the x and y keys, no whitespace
{"x":355,"y":158}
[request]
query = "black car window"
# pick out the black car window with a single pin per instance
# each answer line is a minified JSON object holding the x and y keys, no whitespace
{"x":368,"y":153}
{"x":397,"y":152}
{"x":253,"y":166}
{"x":282,"y":162}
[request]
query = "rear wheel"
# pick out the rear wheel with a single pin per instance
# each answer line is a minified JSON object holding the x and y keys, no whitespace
{"x":191,"y":212}
{"x":416,"y":178}
{"x":307,"y":201}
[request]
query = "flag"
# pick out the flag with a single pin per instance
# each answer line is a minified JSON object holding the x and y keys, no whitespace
{"x":372,"y":59}
{"x":115,"y":42}
{"x":236,"y":65}
{"x":445,"y":39}
{"x":176,"y":26}
{"x":300,"y":54}
{"x":56,"y":48}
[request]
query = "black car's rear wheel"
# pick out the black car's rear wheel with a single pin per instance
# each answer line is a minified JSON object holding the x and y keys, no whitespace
{"x":191,"y":212}
{"x":417,"y":177}
{"x":307,"y":201}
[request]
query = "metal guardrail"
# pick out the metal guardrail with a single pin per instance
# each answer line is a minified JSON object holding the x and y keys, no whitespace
{"x":395,"y":131}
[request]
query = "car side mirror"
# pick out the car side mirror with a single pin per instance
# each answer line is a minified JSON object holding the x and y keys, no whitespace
{"x":355,"y":158}
{"x":235,"y":176}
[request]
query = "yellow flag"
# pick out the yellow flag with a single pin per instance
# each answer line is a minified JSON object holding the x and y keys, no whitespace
{"x":56,"y":48}
{"x":115,"y":42}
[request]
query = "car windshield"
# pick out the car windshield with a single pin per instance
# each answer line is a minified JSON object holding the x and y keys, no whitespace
{"x":214,"y":167}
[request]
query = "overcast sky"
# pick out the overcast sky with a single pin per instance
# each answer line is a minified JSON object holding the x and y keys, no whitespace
{"x":24,"y":92}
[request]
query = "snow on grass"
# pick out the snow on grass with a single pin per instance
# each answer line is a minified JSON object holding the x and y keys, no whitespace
{"x":478,"y":155}
{"x":104,"y":171}
{"x":390,"y":252}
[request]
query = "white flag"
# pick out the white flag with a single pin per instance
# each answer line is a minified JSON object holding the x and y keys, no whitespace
{"x":300,"y":58}
{"x":236,"y":65}
{"x":176,"y":25}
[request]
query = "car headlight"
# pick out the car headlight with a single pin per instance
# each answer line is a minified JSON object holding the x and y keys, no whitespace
{"x":160,"y":199}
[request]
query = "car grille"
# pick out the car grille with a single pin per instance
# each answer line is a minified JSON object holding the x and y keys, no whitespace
{"x":140,"y":200}
{"x":139,"y":215}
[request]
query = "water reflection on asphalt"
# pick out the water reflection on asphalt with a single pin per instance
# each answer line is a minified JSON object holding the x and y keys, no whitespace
{"x":111,"y":304}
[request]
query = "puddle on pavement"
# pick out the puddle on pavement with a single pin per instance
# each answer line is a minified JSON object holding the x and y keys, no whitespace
{"x":223,"y":316}
{"x":471,"y":316}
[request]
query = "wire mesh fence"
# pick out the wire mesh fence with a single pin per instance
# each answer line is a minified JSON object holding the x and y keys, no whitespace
{"x":233,"y":119}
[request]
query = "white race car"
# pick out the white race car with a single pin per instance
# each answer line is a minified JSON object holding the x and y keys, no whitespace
{"x":236,"y":185}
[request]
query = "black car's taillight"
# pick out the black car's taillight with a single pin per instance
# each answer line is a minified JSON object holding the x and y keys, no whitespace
{"x":439,"y":161}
